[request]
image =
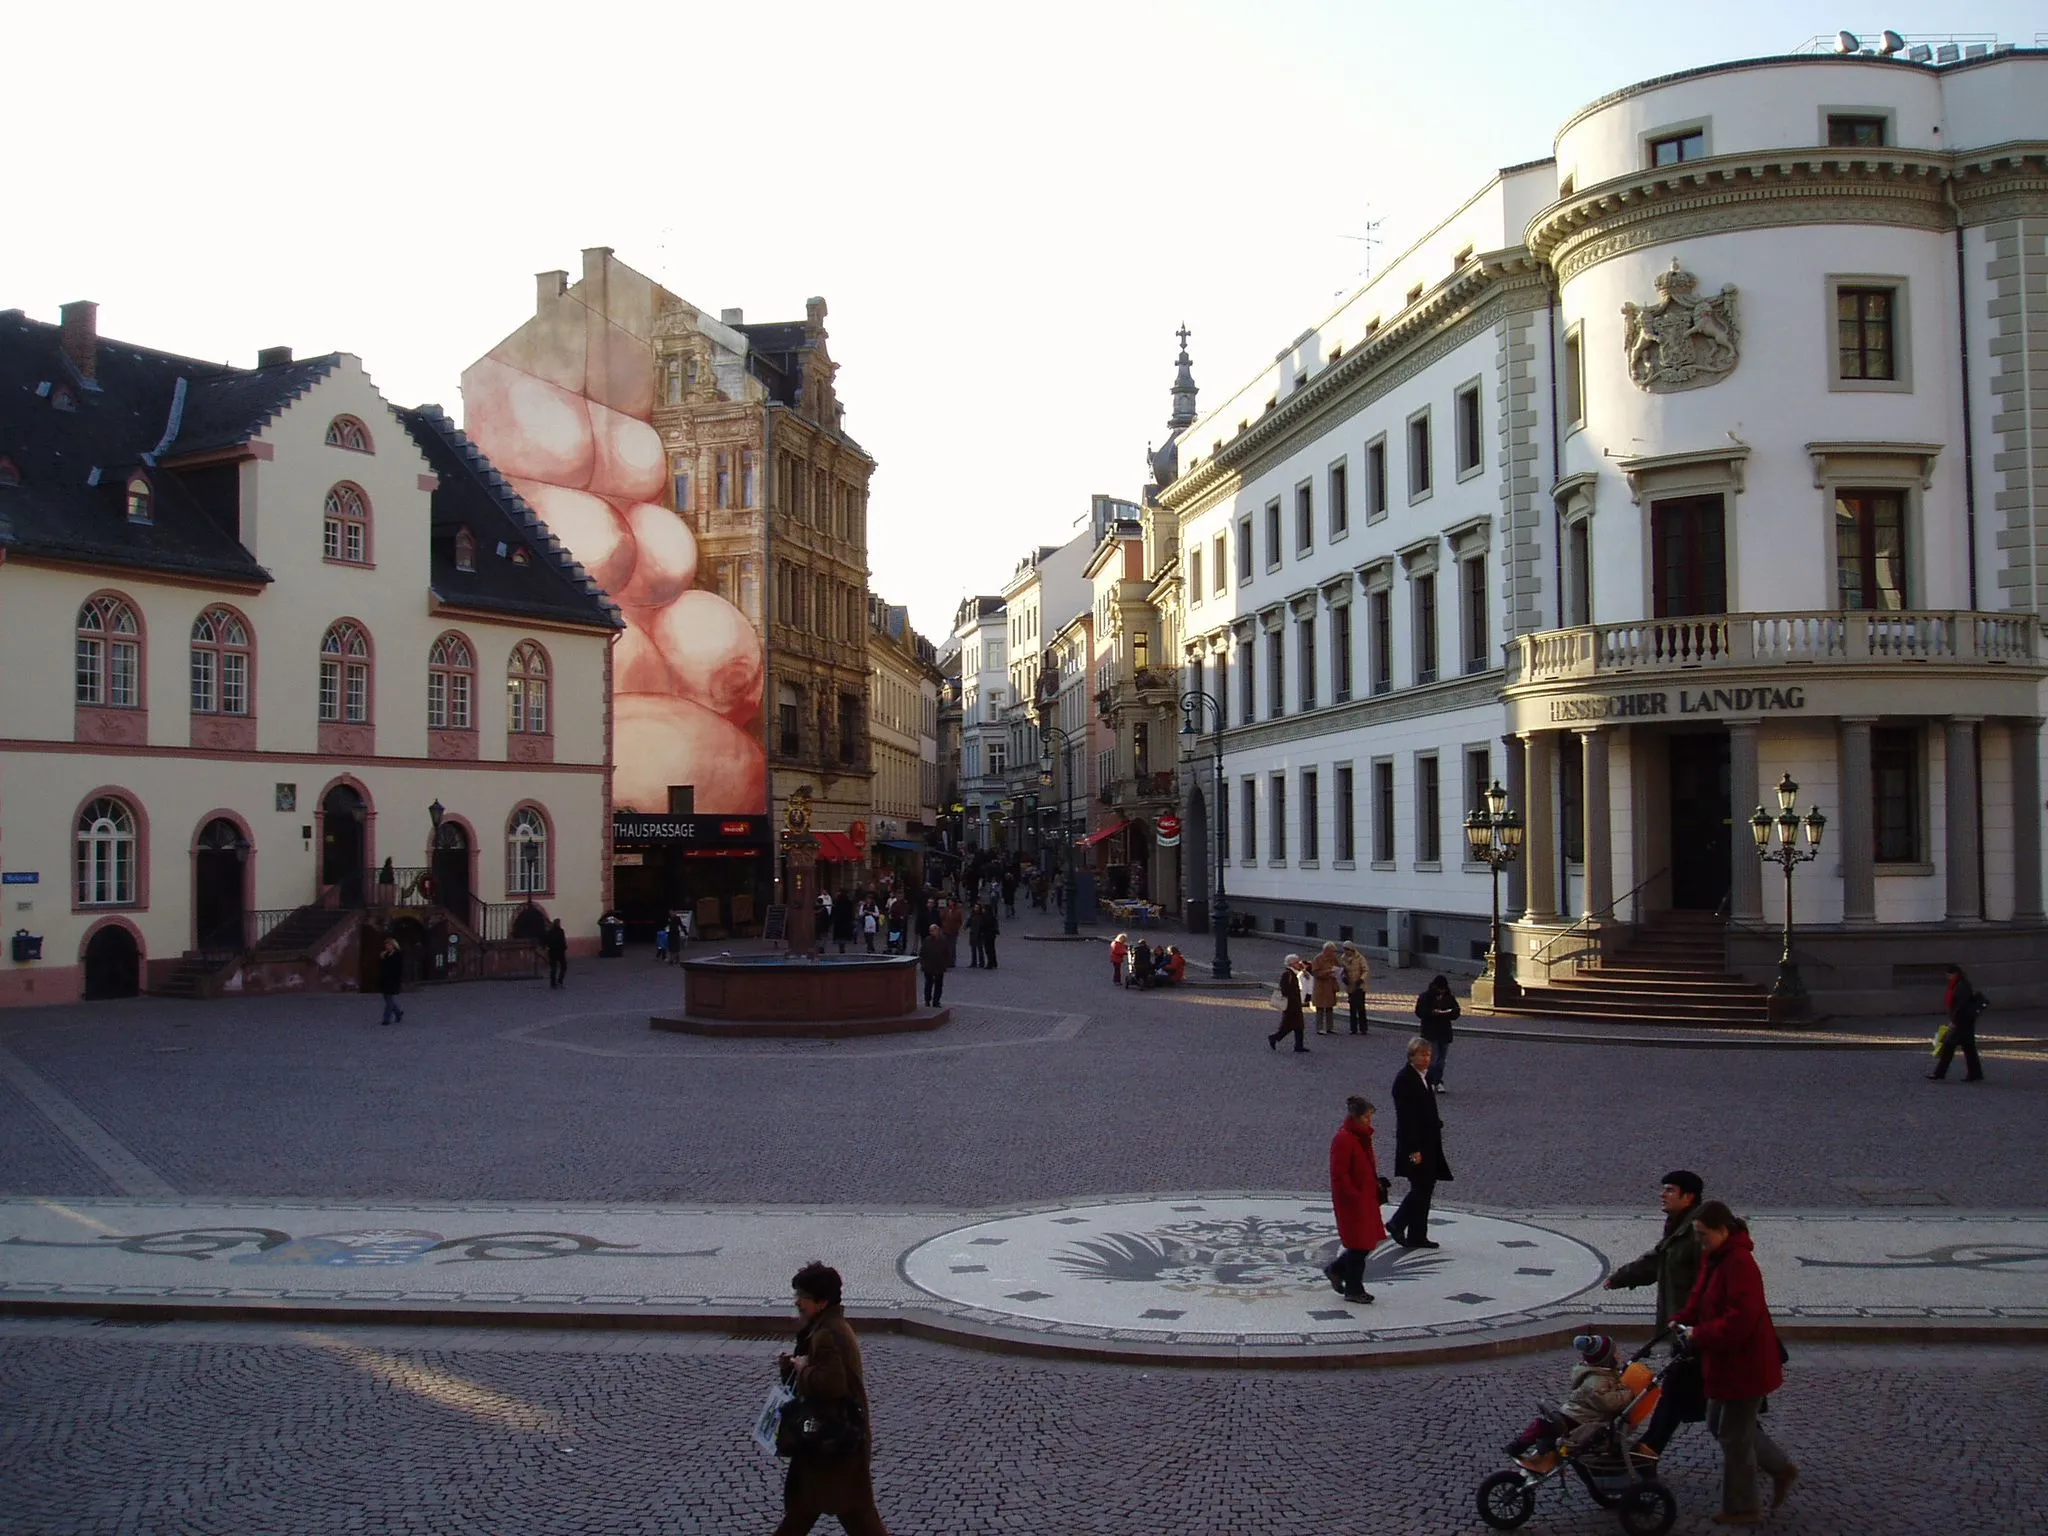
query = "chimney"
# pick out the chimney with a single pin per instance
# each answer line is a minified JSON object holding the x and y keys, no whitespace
{"x":814,"y":312}
{"x":594,"y":258}
{"x":733,"y":316}
{"x":81,"y":336}
{"x":273,"y":357}
{"x":548,"y":286}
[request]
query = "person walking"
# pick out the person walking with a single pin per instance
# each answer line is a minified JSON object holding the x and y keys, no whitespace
{"x":989,"y":929}
{"x":1323,"y":988}
{"x":869,"y":922}
{"x":1291,"y":1016}
{"x":974,"y":938}
{"x":557,"y":946}
{"x":1964,"y":1003}
{"x":1355,"y":973}
{"x":1672,"y":1266}
{"x":1418,"y":1148}
{"x":842,"y":921}
{"x":933,"y":956}
{"x":391,"y":981}
{"x":1119,"y":951}
{"x":1355,"y":1197}
{"x":824,"y":1369}
{"x":1435,"y":1009}
{"x":954,"y":919}
{"x":675,"y":938}
{"x":1728,"y":1324}
{"x":1009,"y":893}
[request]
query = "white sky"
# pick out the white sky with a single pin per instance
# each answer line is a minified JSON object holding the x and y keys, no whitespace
{"x":1009,"y":211}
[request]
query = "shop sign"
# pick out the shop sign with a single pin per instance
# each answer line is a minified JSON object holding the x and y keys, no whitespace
{"x":628,"y":860}
{"x":1168,"y":831}
{"x":705,"y":831}
{"x":1690,"y":701}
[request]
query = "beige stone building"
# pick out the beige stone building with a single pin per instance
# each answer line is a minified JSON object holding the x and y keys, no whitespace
{"x":903,"y":722}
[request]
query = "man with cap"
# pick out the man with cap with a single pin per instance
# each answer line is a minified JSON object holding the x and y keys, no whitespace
{"x":1672,"y":1266}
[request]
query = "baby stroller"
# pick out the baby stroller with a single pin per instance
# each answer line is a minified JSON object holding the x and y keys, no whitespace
{"x":1598,"y":1453}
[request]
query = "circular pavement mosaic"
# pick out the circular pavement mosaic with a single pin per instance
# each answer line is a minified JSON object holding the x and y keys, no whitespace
{"x":1244,"y":1269}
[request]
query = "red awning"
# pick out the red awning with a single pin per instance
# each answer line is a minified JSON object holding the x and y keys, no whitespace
{"x":837,"y":848}
{"x":1104,"y":835}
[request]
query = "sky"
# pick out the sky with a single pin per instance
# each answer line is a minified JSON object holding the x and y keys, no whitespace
{"x":1009,"y":210}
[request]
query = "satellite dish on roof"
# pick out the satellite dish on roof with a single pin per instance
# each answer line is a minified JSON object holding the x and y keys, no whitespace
{"x":1846,"y":42}
{"x":1891,"y":43}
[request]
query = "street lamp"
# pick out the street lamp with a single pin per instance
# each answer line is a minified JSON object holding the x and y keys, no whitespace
{"x":1048,"y":734}
{"x":1191,"y":705}
{"x":1494,"y":837}
{"x":1788,"y":994}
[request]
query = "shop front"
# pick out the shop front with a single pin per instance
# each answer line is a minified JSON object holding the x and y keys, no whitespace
{"x":716,"y":869}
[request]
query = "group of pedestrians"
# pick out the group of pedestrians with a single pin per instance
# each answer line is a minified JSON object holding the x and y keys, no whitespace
{"x":1145,"y":965}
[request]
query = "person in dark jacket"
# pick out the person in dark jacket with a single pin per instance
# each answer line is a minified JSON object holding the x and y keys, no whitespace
{"x":1964,"y":1003}
{"x":824,"y":1368}
{"x":391,"y":981}
{"x":1418,"y":1148}
{"x":1672,"y":1266}
{"x":989,"y":929}
{"x":842,"y":921}
{"x":933,"y":956}
{"x":1291,"y":1016}
{"x":1355,"y":1197}
{"x":557,"y":946}
{"x":1435,"y":1010}
{"x":974,"y":938}
{"x":1728,"y":1325}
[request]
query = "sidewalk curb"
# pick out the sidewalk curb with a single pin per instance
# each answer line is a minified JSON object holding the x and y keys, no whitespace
{"x":917,"y":1323}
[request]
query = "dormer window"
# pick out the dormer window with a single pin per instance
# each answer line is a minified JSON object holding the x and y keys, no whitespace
{"x":521,"y":555}
{"x":347,"y":432}
{"x":465,"y":550}
{"x":62,"y":398}
{"x":141,"y":501}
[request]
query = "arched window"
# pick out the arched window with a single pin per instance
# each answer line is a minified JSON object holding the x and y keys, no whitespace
{"x":220,"y":663}
{"x":141,"y":500}
{"x":347,"y":432}
{"x":465,"y":550}
{"x":526,"y":687}
{"x":526,"y":853}
{"x":345,"y":674}
{"x":106,"y":854}
{"x":345,"y":529}
{"x":109,"y":654}
{"x":451,"y":684}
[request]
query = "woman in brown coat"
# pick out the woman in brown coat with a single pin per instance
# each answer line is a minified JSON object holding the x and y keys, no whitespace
{"x":1323,"y":970}
{"x":824,"y":1367}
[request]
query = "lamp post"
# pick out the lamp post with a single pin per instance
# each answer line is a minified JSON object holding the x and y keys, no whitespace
{"x":1048,"y":734}
{"x":1789,"y":999}
{"x":1494,"y":837}
{"x":1191,"y":705}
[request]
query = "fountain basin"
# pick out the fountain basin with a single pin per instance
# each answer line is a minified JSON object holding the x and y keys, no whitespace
{"x":826,"y":997}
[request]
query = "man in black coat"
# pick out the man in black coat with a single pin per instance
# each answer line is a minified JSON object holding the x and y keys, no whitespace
{"x":391,"y":980}
{"x":1418,"y":1148}
{"x":557,"y":945}
{"x":933,"y":956}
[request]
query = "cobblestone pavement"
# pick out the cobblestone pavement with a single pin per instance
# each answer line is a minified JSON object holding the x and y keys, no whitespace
{"x":219,"y":1428}
{"x":1050,"y":1085}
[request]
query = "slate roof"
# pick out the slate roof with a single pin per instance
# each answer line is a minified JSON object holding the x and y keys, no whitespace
{"x":473,"y":495}
{"x":75,"y":464}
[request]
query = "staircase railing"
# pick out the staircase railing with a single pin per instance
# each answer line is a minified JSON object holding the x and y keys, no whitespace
{"x":1558,"y":938}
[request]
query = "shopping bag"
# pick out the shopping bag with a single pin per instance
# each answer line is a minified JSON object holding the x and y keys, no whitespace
{"x":1941,"y":1037}
{"x":765,"y":1422}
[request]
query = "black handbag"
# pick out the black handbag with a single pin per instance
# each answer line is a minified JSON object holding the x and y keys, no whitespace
{"x":815,"y":1426}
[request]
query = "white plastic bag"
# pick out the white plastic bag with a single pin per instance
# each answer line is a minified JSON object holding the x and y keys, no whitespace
{"x":763,"y":1431}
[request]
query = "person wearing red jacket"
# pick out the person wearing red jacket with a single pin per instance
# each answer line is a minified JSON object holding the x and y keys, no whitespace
{"x":1355,"y":1195}
{"x":1728,"y":1325}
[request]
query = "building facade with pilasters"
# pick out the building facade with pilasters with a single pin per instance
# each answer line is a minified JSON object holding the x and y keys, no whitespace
{"x":1696,"y":456}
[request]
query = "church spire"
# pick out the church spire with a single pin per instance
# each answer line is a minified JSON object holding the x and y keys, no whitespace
{"x":1184,"y":390}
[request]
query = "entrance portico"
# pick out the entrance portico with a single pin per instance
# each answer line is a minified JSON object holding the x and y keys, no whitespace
{"x":1643,"y":746}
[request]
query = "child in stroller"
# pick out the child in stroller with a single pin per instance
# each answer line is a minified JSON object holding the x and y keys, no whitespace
{"x":1598,"y":1395}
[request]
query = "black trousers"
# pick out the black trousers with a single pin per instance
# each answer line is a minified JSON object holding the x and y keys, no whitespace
{"x":1290,"y":1023}
{"x":1358,"y":1024}
{"x":1410,"y":1223}
{"x":934,"y":987}
{"x":1683,"y":1401}
{"x":1961,"y":1037}
{"x":558,"y":970}
{"x":988,"y":951}
{"x":1350,"y":1268}
{"x":974,"y":950}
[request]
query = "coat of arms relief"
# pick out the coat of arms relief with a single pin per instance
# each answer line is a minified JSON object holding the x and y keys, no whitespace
{"x":1684,"y":340}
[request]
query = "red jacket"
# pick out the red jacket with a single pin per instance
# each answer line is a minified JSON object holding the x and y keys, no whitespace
{"x":1355,"y":1188}
{"x":1731,"y":1324}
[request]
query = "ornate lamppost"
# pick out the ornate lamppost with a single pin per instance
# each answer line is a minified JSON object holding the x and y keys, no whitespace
{"x":1048,"y":735}
{"x":1494,"y":838}
{"x":1789,"y":999}
{"x":1191,"y":705}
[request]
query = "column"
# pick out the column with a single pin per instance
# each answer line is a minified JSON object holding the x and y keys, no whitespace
{"x":1599,"y":818}
{"x":1965,"y":902}
{"x":2025,"y":734}
{"x":1539,"y":845}
{"x":1515,"y":898}
{"x":1859,"y":825}
{"x":1746,"y":870}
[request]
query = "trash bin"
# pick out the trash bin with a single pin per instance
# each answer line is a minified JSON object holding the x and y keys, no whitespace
{"x":611,"y":937}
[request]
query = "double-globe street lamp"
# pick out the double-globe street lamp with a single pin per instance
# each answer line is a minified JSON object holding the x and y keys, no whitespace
{"x":1494,"y":837}
{"x":1788,"y":994}
{"x":1191,"y":705}
{"x":1048,"y":735}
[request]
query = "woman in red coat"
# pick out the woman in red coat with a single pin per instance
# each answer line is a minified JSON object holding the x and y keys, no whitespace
{"x":1355,"y":1194}
{"x":1728,"y":1324}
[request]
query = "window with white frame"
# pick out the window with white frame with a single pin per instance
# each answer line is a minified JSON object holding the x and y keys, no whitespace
{"x":344,"y":675}
{"x":1429,"y":847}
{"x":1304,"y":518}
{"x":526,"y":853}
{"x":1276,"y":809}
{"x":106,"y":854}
{"x":451,"y":683}
{"x":1340,"y":499}
{"x":1340,"y":653}
{"x":1420,"y":470}
{"x":1471,"y":439}
{"x":1311,"y":816}
{"x":1248,"y":794}
{"x":220,"y":663}
{"x":1346,"y":809}
{"x":1376,"y":478}
{"x":107,"y":667}
{"x":526,"y":690}
{"x":345,"y":526}
{"x":1383,"y":811}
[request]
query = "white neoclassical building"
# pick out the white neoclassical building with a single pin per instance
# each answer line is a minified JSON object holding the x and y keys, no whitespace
{"x":1707,"y":451}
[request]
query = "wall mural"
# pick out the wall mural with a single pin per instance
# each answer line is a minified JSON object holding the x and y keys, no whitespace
{"x":565,"y":408}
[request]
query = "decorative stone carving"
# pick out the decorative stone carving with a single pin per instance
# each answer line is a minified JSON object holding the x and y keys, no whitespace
{"x":1683,"y":341}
